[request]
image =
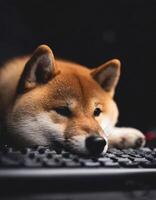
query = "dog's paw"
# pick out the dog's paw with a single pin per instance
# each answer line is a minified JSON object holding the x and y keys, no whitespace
{"x":126,"y":138}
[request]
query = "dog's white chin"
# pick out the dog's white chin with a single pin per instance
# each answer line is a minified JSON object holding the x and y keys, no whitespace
{"x":105,"y":149}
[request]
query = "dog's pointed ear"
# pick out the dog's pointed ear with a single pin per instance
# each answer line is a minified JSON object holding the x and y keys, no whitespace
{"x":39,"y":69}
{"x":107,"y":75}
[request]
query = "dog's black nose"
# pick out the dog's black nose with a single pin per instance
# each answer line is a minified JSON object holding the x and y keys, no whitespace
{"x":95,"y":144}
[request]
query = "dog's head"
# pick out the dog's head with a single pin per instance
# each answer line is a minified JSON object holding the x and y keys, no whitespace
{"x":59,"y":101}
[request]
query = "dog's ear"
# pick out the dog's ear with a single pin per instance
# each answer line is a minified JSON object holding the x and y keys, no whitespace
{"x":107,"y":75}
{"x":39,"y":69}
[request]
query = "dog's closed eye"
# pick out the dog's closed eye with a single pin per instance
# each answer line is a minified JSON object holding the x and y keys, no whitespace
{"x":63,"y":110}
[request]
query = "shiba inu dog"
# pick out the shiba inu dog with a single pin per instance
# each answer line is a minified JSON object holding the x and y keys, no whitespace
{"x":44,"y":100}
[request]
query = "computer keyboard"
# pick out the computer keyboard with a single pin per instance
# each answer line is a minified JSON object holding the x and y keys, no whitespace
{"x":45,"y":168}
{"x":46,"y":157}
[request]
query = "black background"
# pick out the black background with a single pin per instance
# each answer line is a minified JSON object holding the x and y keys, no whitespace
{"x":92,"y":32}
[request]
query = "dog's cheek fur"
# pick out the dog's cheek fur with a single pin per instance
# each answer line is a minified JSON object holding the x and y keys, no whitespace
{"x":35,"y":130}
{"x":108,"y":119}
{"x":77,"y":144}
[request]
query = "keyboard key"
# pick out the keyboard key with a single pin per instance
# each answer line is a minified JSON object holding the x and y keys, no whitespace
{"x":115,"y":151}
{"x":5,"y":149}
{"x":32,"y":155}
{"x":65,"y":154}
{"x":104,"y":159}
{"x":148,"y":164}
{"x":13,"y":159}
{"x":140,"y":160}
{"x":145,"y":149}
{"x":111,"y":164}
{"x":52,"y":163}
{"x":149,"y":157}
{"x":132,"y":152}
{"x":121,"y":160}
{"x":42,"y":150}
{"x":83,"y":160}
{"x":92,"y":164}
{"x":25,"y":150}
{"x":75,"y":158}
{"x":32,"y":163}
{"x":130,"y":164}
{"x":66,"y":160}
{"x":135,"y":155}
{"x":73,"y":164}
{"x":125,"y":156}
{"x":57,"y":157}
{"x":153,"y":153}
{"x":110,"y":155}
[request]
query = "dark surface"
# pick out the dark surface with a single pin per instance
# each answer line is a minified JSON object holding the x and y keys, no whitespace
{"x":44,"y":173}
{"x":91,"y":32}
{"x":122,"y":195}
{"x":137,"y":195}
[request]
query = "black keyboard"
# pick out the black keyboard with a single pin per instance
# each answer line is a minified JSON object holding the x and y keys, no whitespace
{"x":44,"y":157}
{"x":39,"y":167}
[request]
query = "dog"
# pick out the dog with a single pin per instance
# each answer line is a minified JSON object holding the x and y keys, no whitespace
{"x":44,"y":100}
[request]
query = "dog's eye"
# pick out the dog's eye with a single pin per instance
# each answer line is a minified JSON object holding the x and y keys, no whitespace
{"x":64,"y":111}
{"x":97,"y":112}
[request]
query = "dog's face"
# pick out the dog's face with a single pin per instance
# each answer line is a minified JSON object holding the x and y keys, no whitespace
{"x":63,"y":102}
